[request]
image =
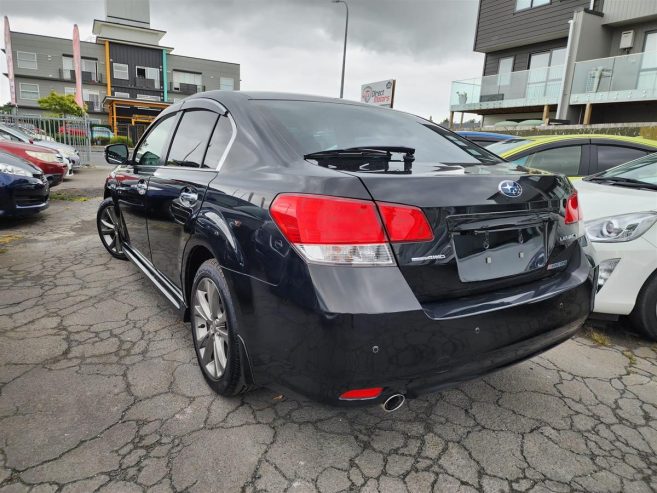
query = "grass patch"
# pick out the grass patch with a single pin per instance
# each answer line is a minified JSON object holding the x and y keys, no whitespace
{"x":598,"y":337}
{"x":67,"y":197}
{"x":6,"y":239}
{"x":630,"y":356}
{"x":3,"y":250}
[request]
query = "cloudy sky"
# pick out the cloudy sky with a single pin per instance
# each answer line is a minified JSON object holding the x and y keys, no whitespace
{"x":296,"y":45}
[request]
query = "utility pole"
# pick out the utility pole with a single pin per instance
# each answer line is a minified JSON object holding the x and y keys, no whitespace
{"x":344,"y":50}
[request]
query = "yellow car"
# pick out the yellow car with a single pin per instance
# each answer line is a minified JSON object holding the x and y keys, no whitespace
{"x":573,"y":155}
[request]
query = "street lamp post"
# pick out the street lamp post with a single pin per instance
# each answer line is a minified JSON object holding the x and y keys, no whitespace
{"x":344,"y":50}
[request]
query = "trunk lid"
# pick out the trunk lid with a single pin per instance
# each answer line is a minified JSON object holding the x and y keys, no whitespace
{"x":484,"y":239}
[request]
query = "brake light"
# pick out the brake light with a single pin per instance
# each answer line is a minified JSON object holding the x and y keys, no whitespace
{"x":361,"y":394}
{"x":573,"y":214}
{"x":405,"y":223}
{"x":332,"y":230}
{"x":339,"y":230}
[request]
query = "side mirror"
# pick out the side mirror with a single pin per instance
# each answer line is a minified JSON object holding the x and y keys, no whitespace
{"x":116,"y":154}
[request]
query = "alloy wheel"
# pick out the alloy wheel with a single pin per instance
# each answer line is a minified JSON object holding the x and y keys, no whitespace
{"x":210,"y":328}
{"x":109,"y":230}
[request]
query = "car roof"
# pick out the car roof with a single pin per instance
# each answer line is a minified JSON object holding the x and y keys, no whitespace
{"x":537,"y":140}
{"x":236,"y":96}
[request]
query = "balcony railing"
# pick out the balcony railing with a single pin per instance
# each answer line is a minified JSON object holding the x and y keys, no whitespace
{"x":86,"y":76}
{"x":183,"y":88}
{"x":535,"y":87}
{"x":616,"y":79}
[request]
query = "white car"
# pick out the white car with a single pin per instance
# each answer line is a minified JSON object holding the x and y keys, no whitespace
{"x":620,"y":215}
{"x":69,"y":153}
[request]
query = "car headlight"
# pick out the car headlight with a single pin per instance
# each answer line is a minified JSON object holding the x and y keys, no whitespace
{"x":616,"y":229}
{"x":13,"y":170}
{"x":48,"y":157}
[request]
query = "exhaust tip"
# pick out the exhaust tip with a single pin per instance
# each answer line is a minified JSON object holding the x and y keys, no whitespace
{"x":393,"y":403}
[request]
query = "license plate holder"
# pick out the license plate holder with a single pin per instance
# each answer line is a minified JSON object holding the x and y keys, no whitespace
{"x":483,"y":255}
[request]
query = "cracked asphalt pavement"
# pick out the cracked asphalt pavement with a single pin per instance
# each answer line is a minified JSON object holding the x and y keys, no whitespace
{"x":100,"y":391}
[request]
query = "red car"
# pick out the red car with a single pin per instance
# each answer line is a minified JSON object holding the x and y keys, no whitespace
{"x":48,"y":160}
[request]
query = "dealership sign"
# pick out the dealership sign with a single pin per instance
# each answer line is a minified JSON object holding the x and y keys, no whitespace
{"x":379,"y":93}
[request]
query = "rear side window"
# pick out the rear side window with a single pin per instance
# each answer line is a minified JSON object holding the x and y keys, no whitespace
{"x":191,"y":139}
{"x":564,"y":160}
{"x":221,"y":136}
{"x":610,"y":156}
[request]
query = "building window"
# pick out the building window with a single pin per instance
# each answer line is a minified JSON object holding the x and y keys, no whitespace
{"x":148,"y":77}
{"x":545,"y":73}
{"x":120,"y":71}
{"x":29,"y":92}
{"x":89,"y":67}
{"x":188,"y":78}
{"x":148,"y":97}
{"x":226,"y":83}
{"x":92,"y":99}
{"x":504,"y":71}
{"x":530,"y":4}
{"x":26,"y":59}
{"x":69,"y":90}
{"x":119,"y":94}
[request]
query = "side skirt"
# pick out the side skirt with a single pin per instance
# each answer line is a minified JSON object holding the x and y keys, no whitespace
{"x":172,"y":293}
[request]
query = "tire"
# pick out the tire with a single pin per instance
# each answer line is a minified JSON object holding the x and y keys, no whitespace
{"x":107,"y":222}
{"x":214,"y":325}
{"x":644,"y":315}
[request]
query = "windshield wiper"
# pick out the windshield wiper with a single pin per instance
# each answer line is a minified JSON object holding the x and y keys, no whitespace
{"x":624,"y":182}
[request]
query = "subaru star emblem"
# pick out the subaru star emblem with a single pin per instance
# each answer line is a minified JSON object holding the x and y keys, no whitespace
{"x":510,"y":188}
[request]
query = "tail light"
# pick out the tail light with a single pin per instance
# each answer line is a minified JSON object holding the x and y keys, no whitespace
{"x":573,"y":214}
{"x":338,"y":230}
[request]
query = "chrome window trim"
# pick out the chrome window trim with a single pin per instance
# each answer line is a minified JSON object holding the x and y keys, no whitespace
{"x":230,"y":142}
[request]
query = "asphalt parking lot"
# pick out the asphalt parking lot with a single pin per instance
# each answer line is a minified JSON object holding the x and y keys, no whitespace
{"x":101,"y":392}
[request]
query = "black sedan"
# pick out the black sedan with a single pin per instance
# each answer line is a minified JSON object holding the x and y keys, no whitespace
{"x":24,"y":189}
{"x":347,"y":252}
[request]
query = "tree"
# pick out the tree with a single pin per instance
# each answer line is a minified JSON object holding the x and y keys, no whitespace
{"x":61,"y":105}
{"x":7,"y":109}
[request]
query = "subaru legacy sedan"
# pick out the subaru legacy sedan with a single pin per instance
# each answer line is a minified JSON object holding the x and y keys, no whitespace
{"x":350,"y":253}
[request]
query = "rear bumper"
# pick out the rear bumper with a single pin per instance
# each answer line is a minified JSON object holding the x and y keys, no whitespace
{"x":385,"y":338}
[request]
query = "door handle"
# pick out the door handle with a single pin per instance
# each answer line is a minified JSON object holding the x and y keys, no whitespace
{"x":188,"y":197}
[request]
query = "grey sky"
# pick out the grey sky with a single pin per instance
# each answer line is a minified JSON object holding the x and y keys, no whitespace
{"x":296,"y":45}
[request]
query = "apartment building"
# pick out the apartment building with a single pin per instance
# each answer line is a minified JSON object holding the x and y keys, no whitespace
{"x":128,"y":77}
{"x":581,"y":61}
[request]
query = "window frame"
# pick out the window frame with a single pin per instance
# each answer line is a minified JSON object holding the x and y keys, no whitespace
{"x":127,"y":70}
{"x":595,"y":146}
{"x":122,"y":94}
{"x":20,"y":91}
{"x":35,"y":61}
{"x":532,"y":6}
{"x":181,"y":114}
{"x":226,"y":78}
{"x":585,"y":157}
{"x":176,"y":85}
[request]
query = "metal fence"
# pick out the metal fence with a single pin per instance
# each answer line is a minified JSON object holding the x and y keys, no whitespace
{"x":75,"y":132}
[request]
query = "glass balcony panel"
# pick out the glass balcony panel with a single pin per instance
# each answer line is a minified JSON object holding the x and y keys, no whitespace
{"x":615,"y":79}
{"x":533,"y":87}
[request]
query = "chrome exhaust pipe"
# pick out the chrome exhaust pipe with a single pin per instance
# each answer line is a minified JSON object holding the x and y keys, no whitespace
{"x":394,"y":402}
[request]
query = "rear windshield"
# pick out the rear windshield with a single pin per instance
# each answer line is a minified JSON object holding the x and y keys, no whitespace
{"x":503,"y":146}
{"x":323,"y":126}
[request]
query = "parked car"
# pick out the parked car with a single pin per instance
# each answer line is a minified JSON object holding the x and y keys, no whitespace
{"x":70,"y":153}
{"x":574,"y":155}
{"x":72,"y":131}
{"x":47,"y":160}
{"x":101,"y":132}
{"x":24,"y":188}
{"x":620,"y":208}
{"x":337,"y":249}
{"x":484,"y":139}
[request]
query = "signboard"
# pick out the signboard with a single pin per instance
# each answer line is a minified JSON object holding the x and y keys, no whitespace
{"x":10,"y":63}
{"x":379,"y":93}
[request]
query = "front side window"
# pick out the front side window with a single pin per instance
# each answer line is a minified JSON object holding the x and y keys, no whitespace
{"x":530,"y":4}
{"x":321,"y":126}
{"x":610,"y":156}
{"x":120,"y":71}
{"x":563,"y":160}
{"x":644,"y":169}
{"x":191,"y":139}
{"x":152,"y":149}
{"x":29,"y":91}
{"x":25,"y":59}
